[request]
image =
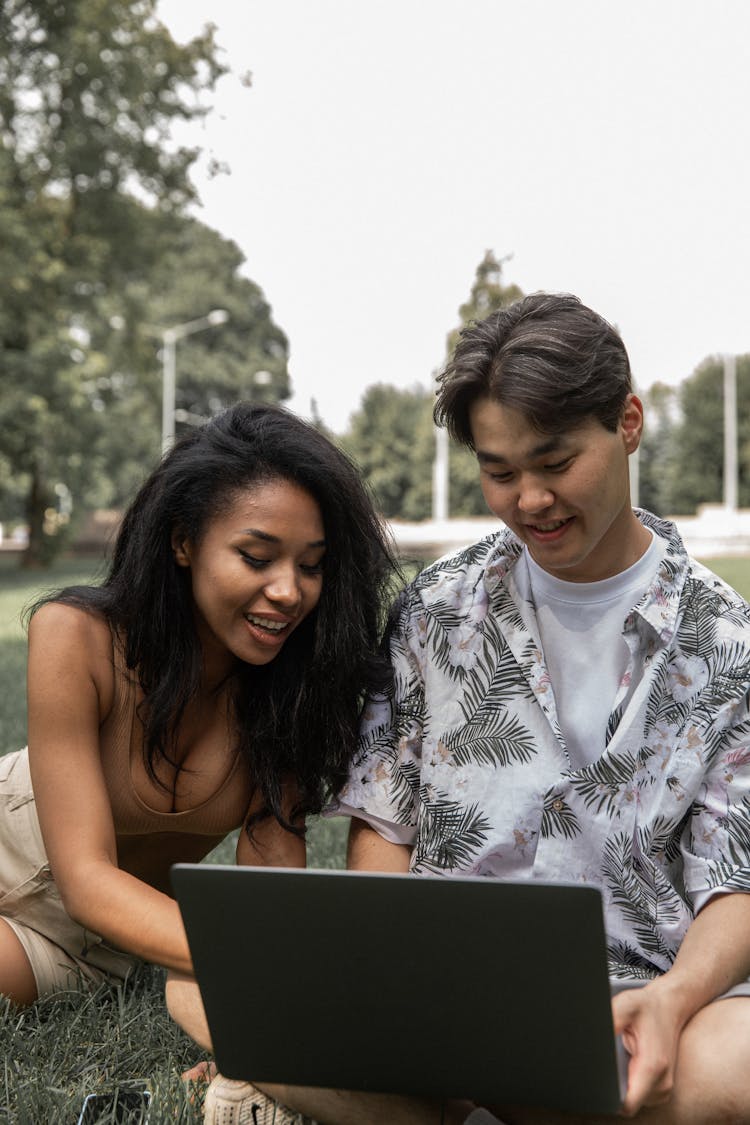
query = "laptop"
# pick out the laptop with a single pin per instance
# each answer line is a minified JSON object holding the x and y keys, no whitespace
{"x":447,"y":987}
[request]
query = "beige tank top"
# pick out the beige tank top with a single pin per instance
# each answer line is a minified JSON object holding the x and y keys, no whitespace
{"x":220,"y":814}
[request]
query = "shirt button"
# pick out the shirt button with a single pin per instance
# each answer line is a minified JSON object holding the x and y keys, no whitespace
{"x":557,"y":805}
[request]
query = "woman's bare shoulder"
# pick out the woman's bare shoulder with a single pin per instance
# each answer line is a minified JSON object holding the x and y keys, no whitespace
{"x":73,"y":642}
{"x":60,"y":618}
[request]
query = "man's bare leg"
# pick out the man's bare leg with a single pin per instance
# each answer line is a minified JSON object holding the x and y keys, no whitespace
{"x":711,"y":1084}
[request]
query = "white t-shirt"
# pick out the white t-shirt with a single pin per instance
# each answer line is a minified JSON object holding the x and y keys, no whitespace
{"x":580,"y":626}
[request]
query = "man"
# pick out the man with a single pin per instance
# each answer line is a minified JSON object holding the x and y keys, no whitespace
{"x":571,"y":701}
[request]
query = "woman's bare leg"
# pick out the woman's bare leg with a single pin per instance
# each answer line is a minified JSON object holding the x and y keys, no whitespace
{"x":17,"y":980}
{"x":330,"y":1106}
{"x":349,"y":1107}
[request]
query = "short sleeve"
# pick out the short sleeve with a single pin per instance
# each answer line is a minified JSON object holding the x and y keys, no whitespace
{"x":716,"y":841}
{"x":383,"y":784}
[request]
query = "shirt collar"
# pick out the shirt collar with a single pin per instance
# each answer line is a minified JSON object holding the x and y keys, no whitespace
{"x":659,"y":606}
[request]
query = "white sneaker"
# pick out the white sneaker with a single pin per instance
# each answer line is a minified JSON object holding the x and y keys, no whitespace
{"x":229,"y":1102}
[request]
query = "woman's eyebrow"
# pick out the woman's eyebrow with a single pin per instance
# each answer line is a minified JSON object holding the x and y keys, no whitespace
{"x":256,"y":533}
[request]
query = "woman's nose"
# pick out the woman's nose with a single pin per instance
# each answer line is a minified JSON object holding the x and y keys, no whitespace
{"x":283,"y":587}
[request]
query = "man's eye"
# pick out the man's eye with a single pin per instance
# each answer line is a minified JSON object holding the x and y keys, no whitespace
{"x":558,"y":466}
{"x":501,"y":477}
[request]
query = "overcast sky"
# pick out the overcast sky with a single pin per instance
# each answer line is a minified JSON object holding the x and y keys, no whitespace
{"x":383,"y":147}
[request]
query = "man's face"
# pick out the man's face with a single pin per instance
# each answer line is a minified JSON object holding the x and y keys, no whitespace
{"x":567,"y":495}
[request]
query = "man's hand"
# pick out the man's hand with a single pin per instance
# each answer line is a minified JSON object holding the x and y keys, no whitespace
{"x":650,"y":1025}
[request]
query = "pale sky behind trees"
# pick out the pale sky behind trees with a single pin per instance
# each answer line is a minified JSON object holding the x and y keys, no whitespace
{"x":383,"y":147}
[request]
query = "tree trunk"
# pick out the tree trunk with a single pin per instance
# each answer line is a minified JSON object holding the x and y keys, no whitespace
{"x":37,"y":554}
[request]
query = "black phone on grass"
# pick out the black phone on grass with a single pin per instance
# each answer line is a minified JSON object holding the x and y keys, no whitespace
{"x":118,"y":1107}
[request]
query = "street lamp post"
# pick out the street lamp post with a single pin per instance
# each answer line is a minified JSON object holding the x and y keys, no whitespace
{"x":169,"y":337}
{"x":730,"y":433}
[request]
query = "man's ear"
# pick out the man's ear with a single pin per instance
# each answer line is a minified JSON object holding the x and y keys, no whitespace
{"x":631,"y":423}
{"x":181,"y":548}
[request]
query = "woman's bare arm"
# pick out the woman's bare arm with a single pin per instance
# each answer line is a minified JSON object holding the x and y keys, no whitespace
{"x":70,"y":691}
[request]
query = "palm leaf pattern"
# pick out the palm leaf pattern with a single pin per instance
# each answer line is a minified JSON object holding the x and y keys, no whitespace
{"x":601,"y":783}
{"x":661,"y":839}
{"x":492,"y":738}
{"x":642,"y":893}
{"x":729,"y":673}
{"x":722,"y":874}
{"x":699,"y":611}
{"x":626,"y":963}
{"x":558,"y":818}
{"x":660,"y":699}
{"x":737,"y":825}
{"x":450,"y":834}
{"x":613,"y":723}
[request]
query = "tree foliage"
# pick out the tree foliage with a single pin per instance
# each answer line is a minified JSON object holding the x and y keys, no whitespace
{"x":195,"y":271}
{"x":392,"y":437}
{"x":89,"y":90}
{"x":656,"y":452}
{"x":99,"y":258}
{"x":694,"y":473}
{"x":488,"y":293}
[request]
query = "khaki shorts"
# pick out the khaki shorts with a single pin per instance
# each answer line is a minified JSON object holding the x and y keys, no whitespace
{"x":63,"y":955}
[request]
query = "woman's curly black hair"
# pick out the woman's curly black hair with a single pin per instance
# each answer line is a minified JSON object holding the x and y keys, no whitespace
{"x":297,"y":716}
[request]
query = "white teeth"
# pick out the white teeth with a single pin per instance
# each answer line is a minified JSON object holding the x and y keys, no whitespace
{"x":264,"y":623}
{"x":548,"y":526}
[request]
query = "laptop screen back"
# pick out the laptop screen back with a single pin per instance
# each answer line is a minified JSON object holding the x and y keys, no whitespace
{"x":448,"y":987}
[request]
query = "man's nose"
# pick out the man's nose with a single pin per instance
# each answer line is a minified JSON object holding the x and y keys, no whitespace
{"x":534,"y":496}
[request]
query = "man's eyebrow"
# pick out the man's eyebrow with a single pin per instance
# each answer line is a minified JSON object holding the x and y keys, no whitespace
{"x":550,"y":446}
{"x":256,"y":533}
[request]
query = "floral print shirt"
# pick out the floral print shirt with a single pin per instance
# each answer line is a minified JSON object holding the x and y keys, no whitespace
{"x":465,"y":761}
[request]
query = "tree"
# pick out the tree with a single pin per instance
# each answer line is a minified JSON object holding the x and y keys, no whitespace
{"x":88,"y":92}
{"x":695,"y":468}
{"x":656,"y":452}
{"x":390,"y":438}
{"x":195,"y":271}
{"x":487,"y":295}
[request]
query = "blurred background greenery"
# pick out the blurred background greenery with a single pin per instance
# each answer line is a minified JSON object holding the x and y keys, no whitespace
{"x":101,"y":260}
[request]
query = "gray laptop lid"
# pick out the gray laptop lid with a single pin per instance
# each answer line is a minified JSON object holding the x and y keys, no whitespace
{"x":448,"y":987}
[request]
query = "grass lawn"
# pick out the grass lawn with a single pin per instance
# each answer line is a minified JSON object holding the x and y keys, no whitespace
{"x":69,"y":1045}
{"x":734,"y":570}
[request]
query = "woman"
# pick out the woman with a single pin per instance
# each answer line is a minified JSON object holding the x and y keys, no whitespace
{"x":213,"y":681}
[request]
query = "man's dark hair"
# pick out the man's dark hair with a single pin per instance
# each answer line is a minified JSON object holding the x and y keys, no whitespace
{"x":548,"y":356}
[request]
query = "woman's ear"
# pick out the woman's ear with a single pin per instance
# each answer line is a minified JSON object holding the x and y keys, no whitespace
{"x":181,"y":548}
{"x":631,"y":423}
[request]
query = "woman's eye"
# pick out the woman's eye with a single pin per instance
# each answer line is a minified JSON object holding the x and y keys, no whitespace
{"x":312,"y":568}
{"x":251,"y":560}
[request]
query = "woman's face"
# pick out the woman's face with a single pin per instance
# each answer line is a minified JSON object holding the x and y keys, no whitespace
{"x":256,"y":572}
